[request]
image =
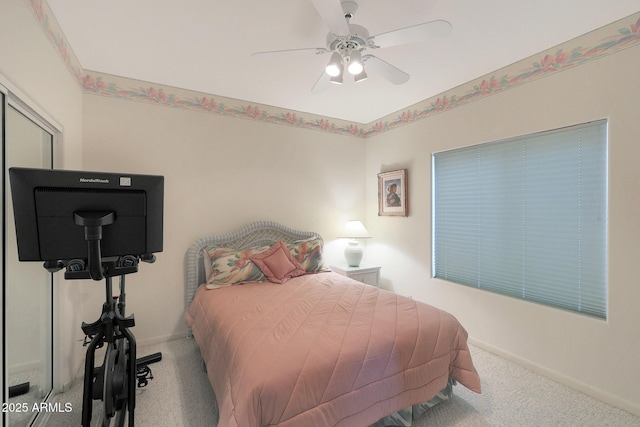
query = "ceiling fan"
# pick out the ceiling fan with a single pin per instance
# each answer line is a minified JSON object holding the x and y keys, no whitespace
{"x":349,"y":42}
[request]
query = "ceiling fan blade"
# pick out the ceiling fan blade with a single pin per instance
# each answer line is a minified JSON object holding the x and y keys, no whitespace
{"x":315,"y":50}
{"x":332,"y":15}
{"x":322,"y":83}
{"x":384,"y":69}
{"x":415,"y":33}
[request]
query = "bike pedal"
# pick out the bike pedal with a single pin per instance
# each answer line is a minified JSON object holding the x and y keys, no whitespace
{"x":143,"y":374}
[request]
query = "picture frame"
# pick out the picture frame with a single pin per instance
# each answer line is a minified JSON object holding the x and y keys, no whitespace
{"x":392,"y":193}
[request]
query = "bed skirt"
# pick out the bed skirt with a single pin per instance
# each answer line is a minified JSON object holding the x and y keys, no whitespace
{"x":406,"y":416}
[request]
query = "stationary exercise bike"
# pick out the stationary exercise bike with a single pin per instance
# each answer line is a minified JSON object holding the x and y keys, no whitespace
{"x":59,"y":217}
{"x":114,"y":382}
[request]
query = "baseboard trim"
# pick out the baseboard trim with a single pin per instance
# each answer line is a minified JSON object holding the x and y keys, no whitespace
{"x":561,"y":378}
{"x":160,"y":339}
{"x":25,"y":366}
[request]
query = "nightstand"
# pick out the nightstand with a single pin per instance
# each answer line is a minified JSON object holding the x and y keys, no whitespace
{"x":369,"y":274}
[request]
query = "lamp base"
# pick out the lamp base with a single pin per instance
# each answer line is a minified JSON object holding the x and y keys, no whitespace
{"x":353,"y":253}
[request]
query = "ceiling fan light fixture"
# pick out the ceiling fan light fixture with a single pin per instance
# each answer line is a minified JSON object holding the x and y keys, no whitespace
{"x":334,"y":67}
{"x":333,"y":70}
{"x":336,"y":79}
{"x":355,"y":63}
{"x":349,"y":44}
{"x":360,"y":77}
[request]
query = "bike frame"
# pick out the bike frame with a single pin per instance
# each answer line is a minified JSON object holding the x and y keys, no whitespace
{"x":118,"y":371}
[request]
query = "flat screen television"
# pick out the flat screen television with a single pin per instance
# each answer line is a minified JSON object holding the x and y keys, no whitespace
{"x":47,"y":204}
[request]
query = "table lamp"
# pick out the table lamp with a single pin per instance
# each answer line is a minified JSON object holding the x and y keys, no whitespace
{"x":354,"y":230}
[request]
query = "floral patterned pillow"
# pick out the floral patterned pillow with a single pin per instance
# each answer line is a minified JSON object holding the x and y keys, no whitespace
{"x":231,"y":267}
{"x":308,"y":253}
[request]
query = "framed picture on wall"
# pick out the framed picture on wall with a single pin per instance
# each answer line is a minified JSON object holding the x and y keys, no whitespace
{"x":392,"y":193}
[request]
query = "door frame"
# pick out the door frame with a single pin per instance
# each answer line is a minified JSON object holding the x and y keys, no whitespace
{"x":15,"y":98}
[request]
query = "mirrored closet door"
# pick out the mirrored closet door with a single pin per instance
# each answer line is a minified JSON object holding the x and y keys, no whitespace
{"x":27,"y":286}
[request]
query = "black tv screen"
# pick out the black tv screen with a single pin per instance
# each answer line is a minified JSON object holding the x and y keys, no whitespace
{"x":45,"y":202}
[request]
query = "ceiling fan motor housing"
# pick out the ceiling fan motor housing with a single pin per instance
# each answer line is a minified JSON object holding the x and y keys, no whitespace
{"x":356,"y":40}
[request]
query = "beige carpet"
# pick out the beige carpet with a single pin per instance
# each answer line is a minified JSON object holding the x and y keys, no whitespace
{"x":180,"y":395}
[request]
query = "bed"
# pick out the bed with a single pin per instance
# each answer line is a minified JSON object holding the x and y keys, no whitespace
{"x":287,"y":342}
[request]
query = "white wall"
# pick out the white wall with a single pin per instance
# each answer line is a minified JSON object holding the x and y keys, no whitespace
{"x":220,"y":173}
{"x":599,"y":357}
{"x":32,"y":66}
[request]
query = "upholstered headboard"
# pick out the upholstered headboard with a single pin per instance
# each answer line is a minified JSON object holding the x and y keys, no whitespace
{"x":256,"y":234}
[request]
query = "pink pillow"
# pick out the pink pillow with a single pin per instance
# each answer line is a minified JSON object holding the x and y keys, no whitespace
{"x":277,"y":263}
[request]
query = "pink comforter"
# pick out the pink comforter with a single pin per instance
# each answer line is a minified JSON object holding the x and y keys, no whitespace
{"x":323,"y":350}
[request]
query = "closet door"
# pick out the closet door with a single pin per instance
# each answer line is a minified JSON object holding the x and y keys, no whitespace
{"x":27,"y":285}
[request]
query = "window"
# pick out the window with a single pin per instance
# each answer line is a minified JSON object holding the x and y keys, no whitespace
{"x":526,"y":217}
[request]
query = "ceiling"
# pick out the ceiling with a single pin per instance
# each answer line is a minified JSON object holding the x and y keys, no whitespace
{"x":206,"y":45}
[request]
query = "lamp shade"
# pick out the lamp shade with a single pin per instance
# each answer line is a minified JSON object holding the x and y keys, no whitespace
{"x":360,"y":77}
{"x":355,"y":66}
{"x":334,"y":67}
{"x":354,"y":230}
{"x":336,"y":79}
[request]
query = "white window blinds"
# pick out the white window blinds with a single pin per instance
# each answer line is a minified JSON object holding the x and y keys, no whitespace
{"x":526,"y":217}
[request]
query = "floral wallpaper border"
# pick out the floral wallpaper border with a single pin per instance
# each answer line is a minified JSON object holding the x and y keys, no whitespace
{"x":124,"y":88}
{"x":52,"y":30}
{"x":607,"y":40}
{"x":622,"y":34}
